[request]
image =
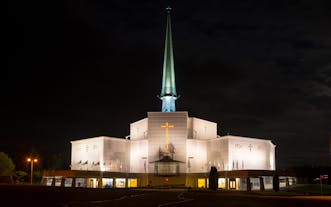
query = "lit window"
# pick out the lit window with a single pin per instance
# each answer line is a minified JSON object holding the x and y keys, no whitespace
{"x":132,"y":182}
{"x":120,"y":182}
{"x":201,"y":183}
{"x":107,"y":182}
{"x":221,"y":183}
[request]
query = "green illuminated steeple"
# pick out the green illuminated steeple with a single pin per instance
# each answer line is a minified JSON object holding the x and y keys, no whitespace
{"x":168,"y":91}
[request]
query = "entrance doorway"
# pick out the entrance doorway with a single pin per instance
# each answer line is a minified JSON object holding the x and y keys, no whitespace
{"x":232,"y":183}
{"x":201,"y":183}
{"x":93,"y":183}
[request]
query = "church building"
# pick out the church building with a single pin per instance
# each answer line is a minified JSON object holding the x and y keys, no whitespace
{"x":169,"y":148}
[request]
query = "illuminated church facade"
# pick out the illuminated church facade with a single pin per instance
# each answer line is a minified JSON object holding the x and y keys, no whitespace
{"x":184,"y":144}
{"x":169,"y":148}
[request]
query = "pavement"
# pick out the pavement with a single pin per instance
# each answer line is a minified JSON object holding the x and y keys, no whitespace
{"x":25,"y":195}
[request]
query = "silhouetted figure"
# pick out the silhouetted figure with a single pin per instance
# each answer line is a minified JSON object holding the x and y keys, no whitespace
{"x":249,"y":184}
{"x":213,"y":178}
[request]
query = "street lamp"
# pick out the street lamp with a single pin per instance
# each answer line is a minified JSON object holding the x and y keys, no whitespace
{"x":31,"y":160}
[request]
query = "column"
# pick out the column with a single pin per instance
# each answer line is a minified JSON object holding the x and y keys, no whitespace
{"x":73,"y":184}
{"x":62,"y":181}
{"x":100,"y":182}
{"x":261,"y":184}
{"x":248,"y":184}
{"x":53,"y":181}
{"x":287,"y":182}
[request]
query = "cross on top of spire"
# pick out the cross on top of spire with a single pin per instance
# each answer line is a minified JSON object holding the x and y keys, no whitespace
{"x":168,"y":9}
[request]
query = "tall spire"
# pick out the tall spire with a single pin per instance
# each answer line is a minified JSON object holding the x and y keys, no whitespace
{"x":168,"y":91}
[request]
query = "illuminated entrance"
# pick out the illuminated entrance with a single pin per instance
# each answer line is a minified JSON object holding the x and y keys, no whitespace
{"x":232,"y":183}
{"x":93,"y":183}
{"x":132,"y":182}
{"x":201,"y":183}
{"x":120,"y":182}
{"x":58,"y":180}
{"x":68,"y":182}
{"x":221,"y":183}
{"x":107,"y":182}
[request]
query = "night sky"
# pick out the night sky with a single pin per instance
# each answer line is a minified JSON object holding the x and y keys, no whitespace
{"x":79,"y":69}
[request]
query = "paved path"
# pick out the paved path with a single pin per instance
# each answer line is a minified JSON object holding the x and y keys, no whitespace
{"x":74,"y":197}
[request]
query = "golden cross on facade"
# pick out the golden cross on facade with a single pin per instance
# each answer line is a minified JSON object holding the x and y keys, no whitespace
{"x":167,"y":126}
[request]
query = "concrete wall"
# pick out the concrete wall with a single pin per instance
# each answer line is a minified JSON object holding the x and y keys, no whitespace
{"x":139,"y":129}
{"x":177,"y":136}
{"x":100,"y":154}
{"x":193,"y":141}
{"x":202,"y":129}
{"x":196,"y":156}
{"x":87,"y":154}
{"x":218,"y":153}
{"x":116,"y":155}
{"x":250,"y":153}
{"x":139,"y":156}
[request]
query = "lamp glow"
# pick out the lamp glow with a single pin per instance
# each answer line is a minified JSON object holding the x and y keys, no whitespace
{"x":31,"y":160}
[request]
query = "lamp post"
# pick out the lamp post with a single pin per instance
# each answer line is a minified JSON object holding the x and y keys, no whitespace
{"x":31,"y":160}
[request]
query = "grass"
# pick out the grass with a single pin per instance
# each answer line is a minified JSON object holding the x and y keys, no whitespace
{"x":310,"y":189}
{"x":297,"y":190}
{"x":300,"y":189}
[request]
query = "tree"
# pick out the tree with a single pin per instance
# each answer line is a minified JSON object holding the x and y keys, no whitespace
{"x":20,"y":176}
{"x":6,"y":164}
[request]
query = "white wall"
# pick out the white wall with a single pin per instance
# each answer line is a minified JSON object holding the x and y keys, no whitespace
{"x":138,"y":129}
{"x":202,"y":129}
{"x":87,"y":154}
{"x":196,"y":161}
{"x":100,"y":154}
{"x":116,"y":155}
{"x":272,"y":156}
{"x":241,"y":153}
{"x":147,"y":137}
{"x":139,"y":156}
{"x":177,"y":136}
{"x":218,"y":153}
{"x":250,"y":154}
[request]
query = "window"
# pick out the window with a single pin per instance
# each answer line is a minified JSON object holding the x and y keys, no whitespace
{"x":49,"y":181}
{"x":201,"y":183}
{"x":166,"y":168}
{"x":58,"y":180}
{"x":81,"y":182}
{"x":68,"y":182}
{"x":93,"y":183}
{"x":221,"y":183}
{"x":107,"y":182}
{"x":132,"y":182}
{"x":232,"y":183}
{"x":120,"y":182}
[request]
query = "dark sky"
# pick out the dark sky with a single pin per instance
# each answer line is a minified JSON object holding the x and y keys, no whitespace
{"x":78,"y":69}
